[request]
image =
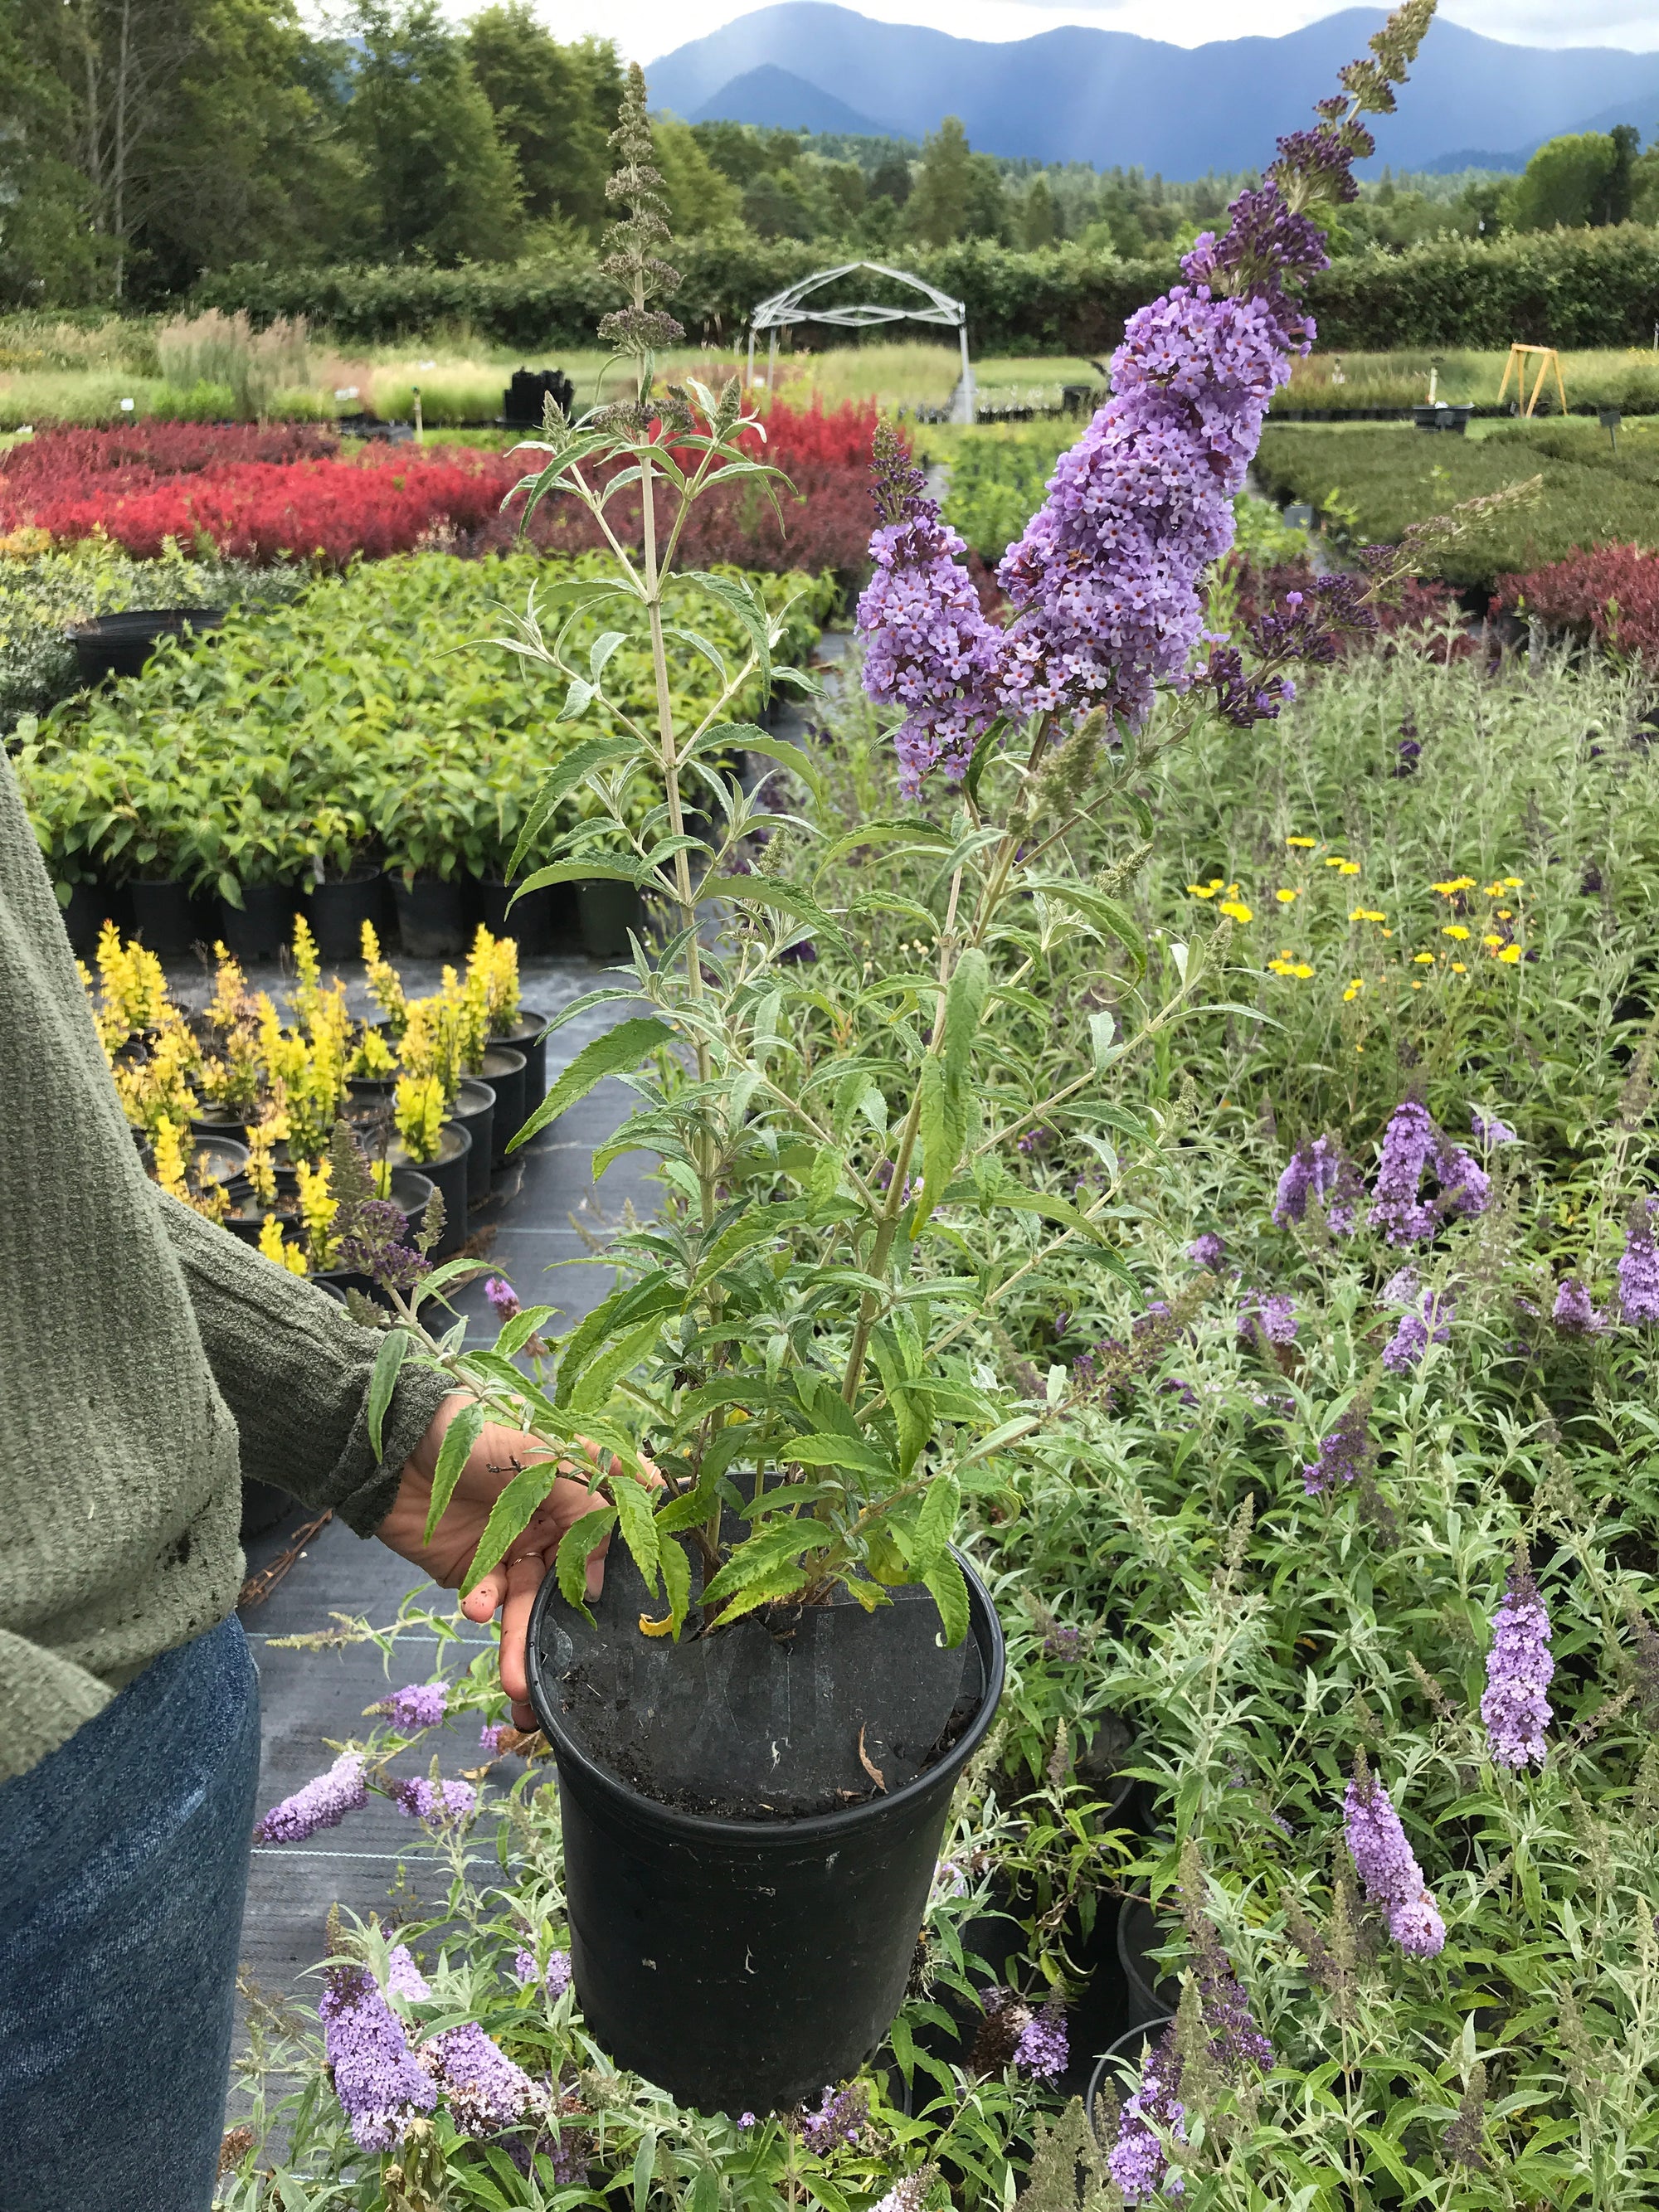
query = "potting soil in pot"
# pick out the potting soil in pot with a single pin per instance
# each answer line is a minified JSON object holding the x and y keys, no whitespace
{"x":813,"y":1709}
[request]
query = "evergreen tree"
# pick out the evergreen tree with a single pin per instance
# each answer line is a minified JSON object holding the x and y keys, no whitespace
{"x":890,"y":180}
{"x":441,"y":181}
{"x":1038,"y":226}
{"x":939,"y":205}
{"x":554,"y":107}
{"x":700,"y":196}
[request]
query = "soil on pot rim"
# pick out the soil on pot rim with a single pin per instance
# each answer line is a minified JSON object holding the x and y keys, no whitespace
{"x":818,"y":1708}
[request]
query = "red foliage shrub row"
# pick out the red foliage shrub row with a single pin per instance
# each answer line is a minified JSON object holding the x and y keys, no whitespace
{"x":260,"y":495}
{"x":265,"y":510}
{"x":56,"y":464}
{"x":1610,"y":594}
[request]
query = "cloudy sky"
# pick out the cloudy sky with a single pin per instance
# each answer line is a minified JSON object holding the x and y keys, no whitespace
{"x":646,"y":29}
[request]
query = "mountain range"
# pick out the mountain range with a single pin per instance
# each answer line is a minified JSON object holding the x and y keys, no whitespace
{"x":1076,"y":94}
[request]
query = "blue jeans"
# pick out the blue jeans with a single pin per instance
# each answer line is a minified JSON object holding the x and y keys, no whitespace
{"x":123,"y":1866}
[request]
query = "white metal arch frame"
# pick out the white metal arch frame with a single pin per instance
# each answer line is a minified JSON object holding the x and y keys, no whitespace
{"x":787,"y":307}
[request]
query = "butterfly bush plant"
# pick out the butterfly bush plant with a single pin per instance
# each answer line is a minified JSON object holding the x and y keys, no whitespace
{"x":788,"y":1343}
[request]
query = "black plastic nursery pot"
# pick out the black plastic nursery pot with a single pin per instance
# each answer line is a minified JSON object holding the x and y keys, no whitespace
{"x":434,"y":917}
{"x":743,"y":1963}
{"x":1149,"y":1991}
{"x":448,"y":1175}
{"x":336,"y":913}
{"x":502,"y":1071}
{"x":474,"y":1109}
{"x":210,"y":1120}
{"x":1122,"y":2065}
{"x":607,"y":912}
{"x":528,"y":1037}
{"x":259,"y":928}
{"x":166,"y":919}
{"x":119,"y":645}
{"x":90,"y":906}
{"x":542,"y":922}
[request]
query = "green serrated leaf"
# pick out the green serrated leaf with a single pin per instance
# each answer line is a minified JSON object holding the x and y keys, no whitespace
{"x":936,"y":1523}
{"x":944,"y":1579}
{"x":633,"y":1502}
{"x":510,"y":1516}
{"x":620,"y":1049}
{"x":388,"y":1360}
{"x":459,"y":1437}
{"x":570,"y":1564}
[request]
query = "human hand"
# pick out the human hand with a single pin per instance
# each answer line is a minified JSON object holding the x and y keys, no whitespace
{"x":500,"y":1454}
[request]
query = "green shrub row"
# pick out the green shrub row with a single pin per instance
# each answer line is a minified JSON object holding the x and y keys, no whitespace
{"x":373,"y":718}
{"x":1372,"y":484}
{"x":1590,"y":287}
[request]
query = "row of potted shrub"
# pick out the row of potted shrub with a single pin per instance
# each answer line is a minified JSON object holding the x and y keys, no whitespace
{"x":236,"y":1108}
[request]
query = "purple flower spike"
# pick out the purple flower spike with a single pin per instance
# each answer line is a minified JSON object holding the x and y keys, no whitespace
{"x":1268,"y":1316}
{"x":1488,"y":1130}
{"x":1043,"y":2049}
{"x":484,"y":2089}
{"x":502,"y":1296}
{"x":403,"y":1979}
{"x":1514,"y":1707}
{"x":1413,"y":1146}
{"x":1345,"y":1453}
{"x":491,"y":1736}
{"x":1207,"y":1251}
{"x":1320,"y":1170}
{"x":439,"y":1804}
{"x":1639,"y":1267}
{"x":1573,"y":1313}
{"x":417,"y":1705}
{"x":323,"y":1803}
{"x":1137,"y":2161}
{"x":379,"y":2085}
{"x":1427,"y":1320}
{"x":839,"y":2119}
{"x":1386,"y":1863}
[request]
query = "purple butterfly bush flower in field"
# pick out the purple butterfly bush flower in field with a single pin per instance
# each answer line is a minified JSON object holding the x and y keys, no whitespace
{"x":839,"y":2120}
{"x":502,"y":1298}
{"x":1639,"y":1267}
{"x":1489,"y":1131}
{"x":1574,"y":1312}
{"x":1044,"y":2048}
{"x":1207,"y":1251}
{"x":1106,"y":582}
{"x":439,"y":1804}
{"x":1138,"y":2161}
{"x":492,"y":1734}
{"x":554,"y":1978}
{"x":1387,"y":1865}
{"x":1426,"y":1319}
{"x":1414,"y":1145}
{"x":1514,"y":1707}
{"x":379,"y":2085}
{"x":1345,"y":1452}
{"x":1320,"y":1170}
{"x":417,"y":1705}
{"x":1267,"y":1316}
{"x":403,"y":1979}
{"x":483,"y":2088}
{"x":323,"y":1803}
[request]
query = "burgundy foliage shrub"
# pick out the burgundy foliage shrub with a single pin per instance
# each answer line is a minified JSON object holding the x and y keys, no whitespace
{"x":1609,"y":594}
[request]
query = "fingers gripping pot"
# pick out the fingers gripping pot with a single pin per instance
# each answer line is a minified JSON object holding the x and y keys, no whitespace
{"x":743,"y":1963}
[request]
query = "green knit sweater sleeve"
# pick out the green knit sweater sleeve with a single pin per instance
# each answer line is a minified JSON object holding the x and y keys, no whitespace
{"x":293,"y":1369}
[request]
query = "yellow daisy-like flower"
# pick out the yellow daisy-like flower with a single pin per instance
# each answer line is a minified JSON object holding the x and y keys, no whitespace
{"x":1492,"y":941}
{"x":1204,"y":890}
{"x":1235,"y":911}
{"x":1514,"y":882}
{"x":1388,"y":933}
{"x":1423,"y":959}
{"x":1306,"y":843}
{"x":1455,"y":929}
{"x":1301,"y":969}
{"x":1344,"y":867}
{"x":1367,"y":913}
{"x":1287,"y":898}
{"x":1417,"y":987}
{"x":1290,"y":968}
{"x":1510,"y":955}
{"x":1505,"y":914}
{"x":1458,"y":968}
{"x":1492,"y":890}
{"x":1453,"y":885}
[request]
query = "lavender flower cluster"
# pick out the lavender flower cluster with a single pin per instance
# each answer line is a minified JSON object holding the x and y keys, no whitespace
{"x":1387,"y":1865}
{"x":323,"y":1803}
{"x":1105,"y":582}
{"x":1414,"y":1146}
{"x":1138,"y":2161}
{"x":1515,"y":1706}
{"x":1320,"y":1172}
{"x":379,"y":2085}
{"x":417,"y":1705}
{"x":1345,"y":1452}
{"x":1426,"y":1319}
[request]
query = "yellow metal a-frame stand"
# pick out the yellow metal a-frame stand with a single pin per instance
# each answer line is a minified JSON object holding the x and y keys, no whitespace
{"x":1519,"y":365}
